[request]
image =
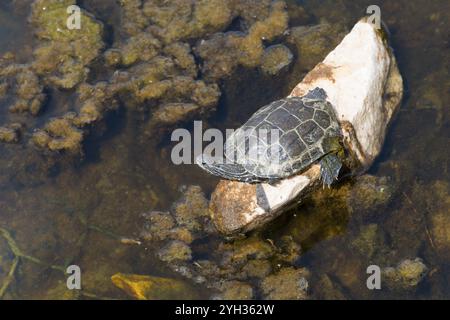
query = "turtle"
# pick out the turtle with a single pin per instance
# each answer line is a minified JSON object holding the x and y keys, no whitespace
{"x":304,"y":130}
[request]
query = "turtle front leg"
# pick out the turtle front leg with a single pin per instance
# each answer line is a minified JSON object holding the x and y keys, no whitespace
{"x":330,"y":165}
{"x":352,"y":144}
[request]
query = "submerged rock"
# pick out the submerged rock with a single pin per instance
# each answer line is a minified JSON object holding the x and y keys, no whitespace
{"x":144,"y":287}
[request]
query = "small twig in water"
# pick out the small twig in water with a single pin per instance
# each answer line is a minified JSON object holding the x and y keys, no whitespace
{"x":18,"y":255}
{"x":9,"y":277}
{"x":427,"y":231}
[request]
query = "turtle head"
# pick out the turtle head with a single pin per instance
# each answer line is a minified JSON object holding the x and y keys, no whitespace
{"x":316,"y":94}
{"x":334,"y":144}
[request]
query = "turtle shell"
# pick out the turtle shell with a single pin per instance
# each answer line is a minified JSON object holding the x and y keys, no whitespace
{"x":284,"y":137}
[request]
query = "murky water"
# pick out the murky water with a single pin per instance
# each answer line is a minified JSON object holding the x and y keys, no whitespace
{"x":76,"y":212}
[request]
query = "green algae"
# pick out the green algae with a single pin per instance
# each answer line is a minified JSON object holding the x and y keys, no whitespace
{"x":286,"y":284}
{"x":236,"y":290}
{"x":406,"y":275}
{"x":10,"y":134}
{"x":59,"y":134}
{"x":62,"y":50}
{"x":275,"y":59}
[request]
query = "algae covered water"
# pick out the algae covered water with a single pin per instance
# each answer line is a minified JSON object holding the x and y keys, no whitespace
{"x":86,"y":176}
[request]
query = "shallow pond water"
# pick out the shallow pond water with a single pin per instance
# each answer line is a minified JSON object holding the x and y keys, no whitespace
{"x":77,"y":211}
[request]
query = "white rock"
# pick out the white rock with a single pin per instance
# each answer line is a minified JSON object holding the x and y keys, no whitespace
{"x":362,"y":81}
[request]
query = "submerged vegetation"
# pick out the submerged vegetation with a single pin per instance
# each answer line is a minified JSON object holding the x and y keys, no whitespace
{"x":85,"y":167}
